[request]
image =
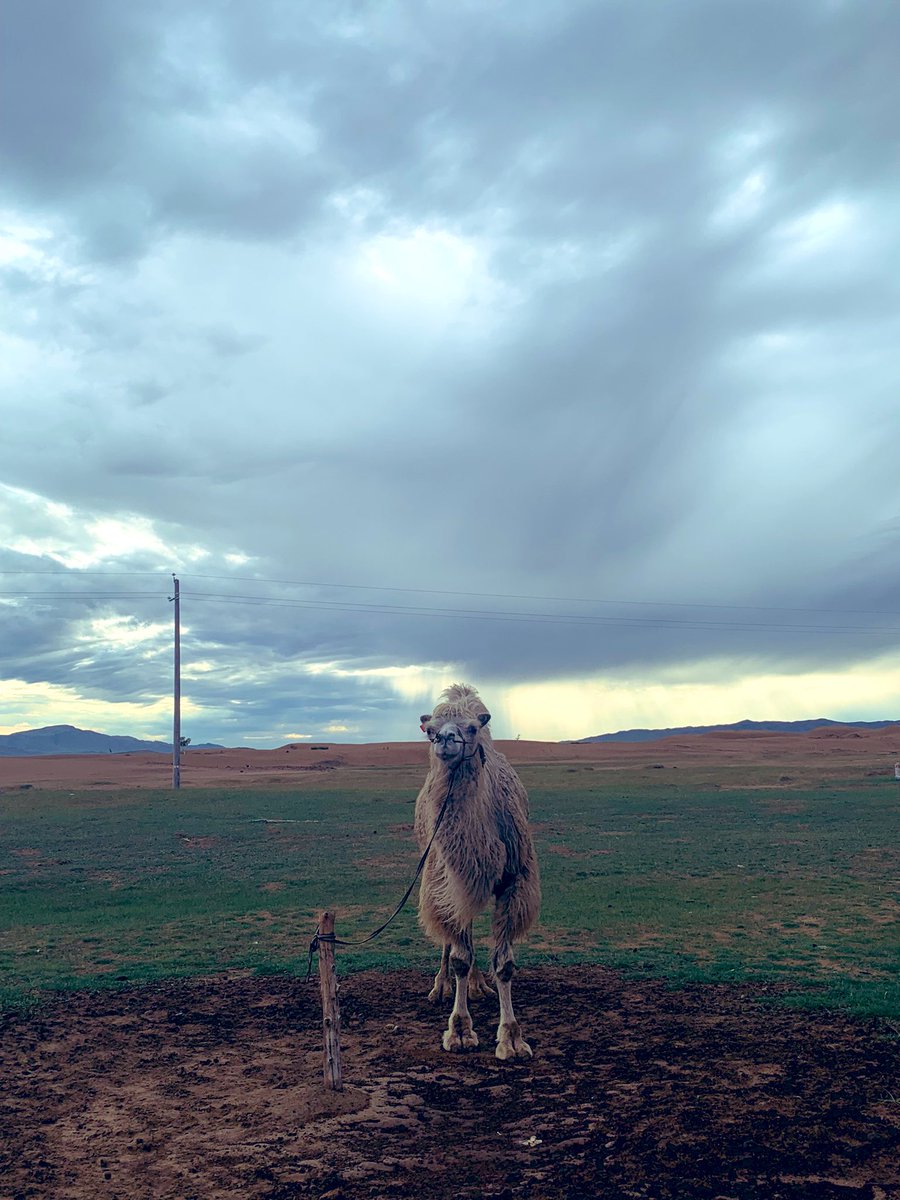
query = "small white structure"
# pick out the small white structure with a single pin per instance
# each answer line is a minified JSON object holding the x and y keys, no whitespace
{"x":897,"y":770}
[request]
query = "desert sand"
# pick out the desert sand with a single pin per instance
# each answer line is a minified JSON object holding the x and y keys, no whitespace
{"x":828,"y":748}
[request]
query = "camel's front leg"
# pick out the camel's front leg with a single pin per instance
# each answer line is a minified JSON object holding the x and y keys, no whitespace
{"x":459,"y":1034}
{"x":510,"y":1043}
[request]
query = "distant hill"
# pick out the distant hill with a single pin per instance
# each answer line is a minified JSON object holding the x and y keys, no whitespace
{"x":66,"y":739}
{"x":652,"y":735}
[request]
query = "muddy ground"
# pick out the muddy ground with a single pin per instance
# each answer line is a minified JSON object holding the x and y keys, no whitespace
{"x":211,"y":1089}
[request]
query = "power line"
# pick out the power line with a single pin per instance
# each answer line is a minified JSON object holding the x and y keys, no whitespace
{"x":659,"y":622}
{"x":543,"y":618}
{"x":550,"y":599}
{"x":371,"y":587}
{"x":84,"y":595}
{"x":82,"y":571}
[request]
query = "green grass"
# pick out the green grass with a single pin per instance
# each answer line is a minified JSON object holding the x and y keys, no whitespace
{"x":662,"y":873}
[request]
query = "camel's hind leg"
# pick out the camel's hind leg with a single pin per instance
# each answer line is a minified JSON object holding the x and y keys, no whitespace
{"x":443,"y":985}
{"x":478,"y":984}
{"x":459,"y":1034}
{"x":443,"y":988}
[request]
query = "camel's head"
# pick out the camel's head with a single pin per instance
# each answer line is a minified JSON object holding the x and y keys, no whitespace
{"x":454,"y":738}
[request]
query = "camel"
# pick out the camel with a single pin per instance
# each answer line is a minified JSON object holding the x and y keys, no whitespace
{"x":482,"y":853}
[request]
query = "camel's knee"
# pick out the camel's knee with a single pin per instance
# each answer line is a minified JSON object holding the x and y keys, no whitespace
{"x":503,"y":964}
{"x":462,"y":954}
{"x":460,"y":966}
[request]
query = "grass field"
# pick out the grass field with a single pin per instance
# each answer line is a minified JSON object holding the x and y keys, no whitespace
{"x":665,"y":873}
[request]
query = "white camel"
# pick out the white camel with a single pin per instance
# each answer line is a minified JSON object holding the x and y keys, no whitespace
{"x":482,"y":853}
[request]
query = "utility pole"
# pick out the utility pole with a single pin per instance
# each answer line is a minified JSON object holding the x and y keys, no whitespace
{"x":176,"y":718}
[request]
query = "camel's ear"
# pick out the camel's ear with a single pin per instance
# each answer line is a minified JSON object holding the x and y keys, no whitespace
{"x":424,"y":719}
{"x":484,"y":718}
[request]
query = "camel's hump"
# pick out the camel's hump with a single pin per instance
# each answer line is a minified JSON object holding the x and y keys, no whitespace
{"x":459,"y":693}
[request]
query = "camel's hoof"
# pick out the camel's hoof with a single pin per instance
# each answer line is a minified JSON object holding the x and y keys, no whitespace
{"x":507,"y":1050}
{"x":459,"y":1037}
{"x":511,"y":1044}
{"x":457,"y":1043}
{"x":442,"y":990}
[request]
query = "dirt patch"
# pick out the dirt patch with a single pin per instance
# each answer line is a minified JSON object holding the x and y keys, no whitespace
{"x":211,"y":1088}
{"x":378,"y":866}
{"x":778,"y":808}
{"x":876,"y":860}
{"x":640,"y":939}
{"x":199,"y":842}
{"x":568,"y":852}
{"x":114,"y":880}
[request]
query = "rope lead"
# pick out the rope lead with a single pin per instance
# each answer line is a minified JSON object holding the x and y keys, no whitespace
{"x":330,"y":937}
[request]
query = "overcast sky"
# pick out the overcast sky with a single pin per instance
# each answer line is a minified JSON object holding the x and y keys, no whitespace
{"x":554,"y":347}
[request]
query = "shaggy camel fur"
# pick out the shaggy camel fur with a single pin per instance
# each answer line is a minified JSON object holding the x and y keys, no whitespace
{"x":482,"y":853}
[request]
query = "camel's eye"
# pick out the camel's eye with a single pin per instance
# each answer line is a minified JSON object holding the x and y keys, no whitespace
{"x":471,"y":730}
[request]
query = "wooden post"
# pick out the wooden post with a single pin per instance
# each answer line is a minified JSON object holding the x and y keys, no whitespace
{"x":331,"y":1013}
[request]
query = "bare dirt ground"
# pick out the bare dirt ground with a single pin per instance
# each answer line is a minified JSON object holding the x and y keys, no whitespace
{"x":211,"y":1089}
{"x":840,"y":748}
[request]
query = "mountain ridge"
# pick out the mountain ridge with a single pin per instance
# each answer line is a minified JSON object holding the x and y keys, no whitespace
{"x":69,"y":739}
{"x":52,"y":740}
{"x":790,"y":727}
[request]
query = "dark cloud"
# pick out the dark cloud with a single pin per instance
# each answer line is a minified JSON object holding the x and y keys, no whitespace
{"x":147,"y":392}
{"x":70,"y":81}
{"x":528,"y":301}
